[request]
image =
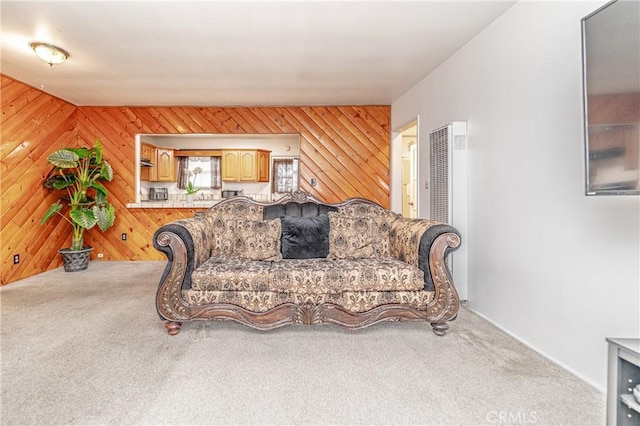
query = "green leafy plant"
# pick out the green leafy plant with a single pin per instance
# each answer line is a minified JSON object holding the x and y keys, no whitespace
{"x":78,"y":172}
{"x":190,"y":188}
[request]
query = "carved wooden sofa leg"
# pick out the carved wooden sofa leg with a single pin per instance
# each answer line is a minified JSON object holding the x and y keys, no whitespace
{"x":173,"y":327}
{"x":440,"y":328}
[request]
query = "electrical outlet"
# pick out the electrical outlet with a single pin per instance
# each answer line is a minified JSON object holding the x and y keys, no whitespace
{"x":16,"y":259}
{"x":124,"y":236}
{"x":100,"y":255}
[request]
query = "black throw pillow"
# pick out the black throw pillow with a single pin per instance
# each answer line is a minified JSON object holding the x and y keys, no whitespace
{"x":305,"y":237}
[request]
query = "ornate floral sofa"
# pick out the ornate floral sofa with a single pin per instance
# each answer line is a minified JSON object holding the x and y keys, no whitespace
{"x":302,"y":261}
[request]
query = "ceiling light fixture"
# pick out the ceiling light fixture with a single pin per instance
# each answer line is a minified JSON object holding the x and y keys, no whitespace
{"x":53,"y":55}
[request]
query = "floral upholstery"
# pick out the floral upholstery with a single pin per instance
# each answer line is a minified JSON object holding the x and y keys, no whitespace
{"x":362,"y":208}
{"x":340,"y":275}
{"x":307,"y":276}
{"x":258,"y":239}
{"x":224,"y":236}
{"x":230,"y":274}
{"x":405,"y":237}
{"x":221,"y":266}
{"x":352,"y":301}
{"x":350,"y":237}
{"x":236,"y":208}
{"x":379,"y":274}
{"x":222,"y":224}
{"x":373,"y":260}
{"x":384,"y":220}
{"x":200,"y":230}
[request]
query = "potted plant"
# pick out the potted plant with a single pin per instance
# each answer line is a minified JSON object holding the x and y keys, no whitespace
{"x":190,"y":188}
{"x":78,"y":173}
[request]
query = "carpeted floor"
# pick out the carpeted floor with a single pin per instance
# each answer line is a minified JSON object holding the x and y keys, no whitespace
{"x":88,"y":348}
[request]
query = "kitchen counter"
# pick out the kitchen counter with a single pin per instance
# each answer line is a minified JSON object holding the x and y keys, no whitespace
{"x":200,"y":204}
{"x":174,"y":202}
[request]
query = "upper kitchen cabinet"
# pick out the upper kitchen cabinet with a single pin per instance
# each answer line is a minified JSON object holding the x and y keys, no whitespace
{"x":264,"y":160}
{"x":148,"y":169}
{"x":238,"y":161}
{"x":166,"y":165}
{"x":163,"y":163}
{"x":245,"y":165}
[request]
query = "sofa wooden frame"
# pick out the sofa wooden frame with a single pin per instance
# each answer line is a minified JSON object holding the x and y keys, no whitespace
{"x":175,"y":310}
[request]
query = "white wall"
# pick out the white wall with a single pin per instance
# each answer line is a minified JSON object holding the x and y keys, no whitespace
{"x":555,"y":268}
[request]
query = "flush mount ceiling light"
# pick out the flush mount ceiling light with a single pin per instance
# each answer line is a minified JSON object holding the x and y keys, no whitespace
{"x":53,"y":55}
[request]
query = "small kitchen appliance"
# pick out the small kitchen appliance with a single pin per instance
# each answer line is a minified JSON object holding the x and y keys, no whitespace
{"x":228,"y":193}
{"x":158,"y":194}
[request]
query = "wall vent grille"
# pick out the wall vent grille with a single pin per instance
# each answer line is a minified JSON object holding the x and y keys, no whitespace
{"x":448,"y":192}
{"x":439,"y":175}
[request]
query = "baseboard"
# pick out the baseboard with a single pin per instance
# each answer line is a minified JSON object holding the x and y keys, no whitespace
{"x":550,"y":358}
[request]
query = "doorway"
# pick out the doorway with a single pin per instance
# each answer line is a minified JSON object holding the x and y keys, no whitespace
{"x":409,"y":166}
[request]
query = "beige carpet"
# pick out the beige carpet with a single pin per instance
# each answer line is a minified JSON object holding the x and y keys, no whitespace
{"x":88,"y":348}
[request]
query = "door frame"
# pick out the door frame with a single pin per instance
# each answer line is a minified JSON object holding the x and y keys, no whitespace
{"x":396,"y":165}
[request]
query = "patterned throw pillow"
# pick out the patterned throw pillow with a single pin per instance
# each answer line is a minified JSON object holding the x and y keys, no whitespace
{"x":350,"y":237}
{"x":224,"y":236}
{"x":383,"y":223}
{"x":258,"y":239}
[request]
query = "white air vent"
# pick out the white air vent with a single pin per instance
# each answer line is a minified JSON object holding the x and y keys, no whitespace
{"x":460,"y":142}
{"x":448,"y":191}
{"x":439,"y":175}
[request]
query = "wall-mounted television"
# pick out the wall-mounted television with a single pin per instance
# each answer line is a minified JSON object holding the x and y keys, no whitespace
{"x":611,"y":86}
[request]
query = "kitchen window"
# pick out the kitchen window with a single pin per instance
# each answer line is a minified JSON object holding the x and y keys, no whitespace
{"x":284,"y":175}
{"x":208,"y":172}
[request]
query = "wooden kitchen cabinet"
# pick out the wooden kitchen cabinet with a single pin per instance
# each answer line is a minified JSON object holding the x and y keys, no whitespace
{"x":230,"y":165}
{"x":264,"y":161}
{"x":247,"y":172}
{"x":164,"y":160}
{"x":165,"y":165}
{"x":245,"y":165}
{"x":148,"y":152}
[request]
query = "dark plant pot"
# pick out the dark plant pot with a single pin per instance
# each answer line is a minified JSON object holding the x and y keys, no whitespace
{"x":75,"y":260}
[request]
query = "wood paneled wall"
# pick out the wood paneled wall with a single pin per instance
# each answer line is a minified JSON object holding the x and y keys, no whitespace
{"x":33,"y":124}
{"x":346,"y":148}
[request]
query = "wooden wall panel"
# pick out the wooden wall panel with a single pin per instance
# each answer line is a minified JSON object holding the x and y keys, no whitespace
{"x":33,"y":124}
{"x":346,"y":148}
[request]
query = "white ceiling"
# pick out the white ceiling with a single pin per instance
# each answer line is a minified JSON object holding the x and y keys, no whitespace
{"x":237,"y":53}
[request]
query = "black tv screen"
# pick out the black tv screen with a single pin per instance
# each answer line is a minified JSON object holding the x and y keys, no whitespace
{"x":611,"y":79}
